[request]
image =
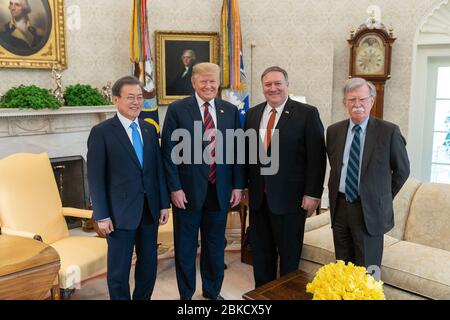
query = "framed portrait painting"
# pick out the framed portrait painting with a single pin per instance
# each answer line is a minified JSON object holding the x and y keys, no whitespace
{"x":176,"y":54}
{"x":32,"y":34}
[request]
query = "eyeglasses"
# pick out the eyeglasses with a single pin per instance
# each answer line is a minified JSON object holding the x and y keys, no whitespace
{"x":364,"y":100}
{"x":132,"y":98}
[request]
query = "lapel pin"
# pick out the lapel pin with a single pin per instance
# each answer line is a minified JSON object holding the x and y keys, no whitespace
{"x":221,"y":111}
{"x":287,"y":112}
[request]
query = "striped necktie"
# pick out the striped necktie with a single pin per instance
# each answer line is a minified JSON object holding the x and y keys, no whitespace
{"x":351,"y":181}
{"x":137,"y":143}
{"x":208,"y":124}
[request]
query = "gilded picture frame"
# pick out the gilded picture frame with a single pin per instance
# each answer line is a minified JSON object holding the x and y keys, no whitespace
{"x":32,"y":34}
{"x":176,"y":53}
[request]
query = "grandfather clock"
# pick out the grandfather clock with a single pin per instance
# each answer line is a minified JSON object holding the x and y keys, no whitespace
{"x":370,"y":58}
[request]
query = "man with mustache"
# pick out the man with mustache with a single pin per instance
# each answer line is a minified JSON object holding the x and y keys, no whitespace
{"x":369,"y":165}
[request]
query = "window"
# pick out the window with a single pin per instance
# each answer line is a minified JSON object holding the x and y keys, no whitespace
{"x":440,"y":153}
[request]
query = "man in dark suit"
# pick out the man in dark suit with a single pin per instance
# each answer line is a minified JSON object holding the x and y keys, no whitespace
{"x":128,"y":190}
{"x":369,"y":165}
{"x":292,"y":134}
{"x":182,"y":84}
{"x":203,"y":184}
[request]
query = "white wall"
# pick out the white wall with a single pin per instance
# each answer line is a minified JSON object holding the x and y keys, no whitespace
{"x":431,"y":40}
{"x":308,"y":38}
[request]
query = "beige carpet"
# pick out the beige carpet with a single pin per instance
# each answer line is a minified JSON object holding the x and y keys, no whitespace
{"x":233,"y":236}
{"x":238,"y":278}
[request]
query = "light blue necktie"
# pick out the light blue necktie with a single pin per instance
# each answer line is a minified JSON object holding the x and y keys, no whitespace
{"x":137,"y":143}
{"x":351,"y":181}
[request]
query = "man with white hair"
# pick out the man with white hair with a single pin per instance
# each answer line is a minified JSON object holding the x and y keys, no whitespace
{"x":19,"y":33}
{"x":182,"y":84}
{"x":369,"y":165}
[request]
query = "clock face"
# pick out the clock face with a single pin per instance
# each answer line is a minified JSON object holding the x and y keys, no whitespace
{"x":370,"y":56}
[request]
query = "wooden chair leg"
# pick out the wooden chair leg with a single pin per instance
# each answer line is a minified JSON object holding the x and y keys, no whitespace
{"x":55,"y":295}
{"x":55,"y":292}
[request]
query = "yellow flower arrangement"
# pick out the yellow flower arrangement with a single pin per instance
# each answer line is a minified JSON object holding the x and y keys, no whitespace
{"x":338,"y":281}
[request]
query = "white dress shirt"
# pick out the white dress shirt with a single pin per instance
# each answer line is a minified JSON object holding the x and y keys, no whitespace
{"x":348,"y":144}
{"x":186,"y":70}
{"x":126,"y":125}
{"x":211,"y":108}
{"x":266,"y":116}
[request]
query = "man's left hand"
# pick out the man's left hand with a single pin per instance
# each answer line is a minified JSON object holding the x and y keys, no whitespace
{"x":309,"y":205}
{"x":236,"y":196}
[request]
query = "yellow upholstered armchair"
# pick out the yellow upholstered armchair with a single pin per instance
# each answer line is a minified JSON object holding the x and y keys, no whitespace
{"x":30,"y":206}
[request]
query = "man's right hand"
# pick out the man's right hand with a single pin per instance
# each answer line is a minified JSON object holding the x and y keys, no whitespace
{"x":105,"y":226}
{"x":179,"y":199}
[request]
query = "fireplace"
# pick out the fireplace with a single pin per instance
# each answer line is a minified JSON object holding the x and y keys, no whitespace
{"x":61,"y":133}
{"x":71,"y":179}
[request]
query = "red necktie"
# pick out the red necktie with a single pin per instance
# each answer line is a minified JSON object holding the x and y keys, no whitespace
{"x":209,"y":125}
{"x":270,"y":128}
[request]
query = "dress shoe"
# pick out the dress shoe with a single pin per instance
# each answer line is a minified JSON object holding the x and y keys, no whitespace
{"x":218,"y":297}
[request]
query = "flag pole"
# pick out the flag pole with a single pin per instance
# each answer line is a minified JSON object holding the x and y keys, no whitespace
{"x":252,"y":47}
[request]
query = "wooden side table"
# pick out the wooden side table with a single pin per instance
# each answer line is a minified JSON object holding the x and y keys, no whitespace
{"x":28,"y":269}
{"x":289,"y":287}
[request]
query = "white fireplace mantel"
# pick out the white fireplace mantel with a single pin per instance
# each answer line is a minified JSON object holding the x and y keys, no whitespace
{"x":60,"y":132}
{"x":7,"y":112}
{"x":17,"y":122}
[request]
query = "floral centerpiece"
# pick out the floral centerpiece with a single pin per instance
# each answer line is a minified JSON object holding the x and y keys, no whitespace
{"x":338,"y":281}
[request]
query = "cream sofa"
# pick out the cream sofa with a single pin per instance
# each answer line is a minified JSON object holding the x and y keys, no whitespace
{"x":416,"y":259}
